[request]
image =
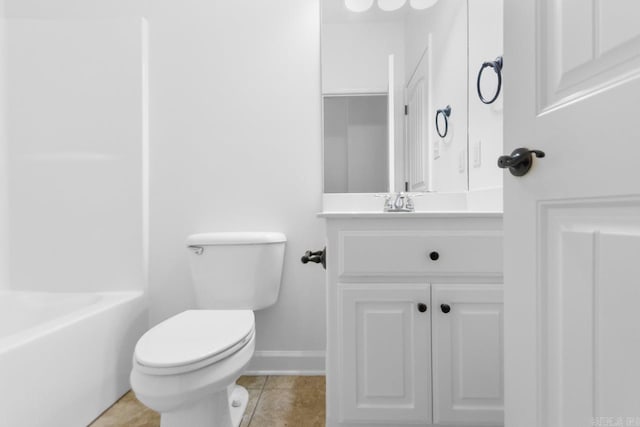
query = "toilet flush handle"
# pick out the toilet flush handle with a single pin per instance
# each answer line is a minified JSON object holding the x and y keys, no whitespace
{"x":198,"y":250}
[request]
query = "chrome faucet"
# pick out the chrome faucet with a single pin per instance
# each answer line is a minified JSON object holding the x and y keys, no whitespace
{"x":402,"y":202}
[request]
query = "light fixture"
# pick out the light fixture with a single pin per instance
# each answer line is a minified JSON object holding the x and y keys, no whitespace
{"x":391,"y":5}
{"x":422,"y":4}
{"x":358,"y":5}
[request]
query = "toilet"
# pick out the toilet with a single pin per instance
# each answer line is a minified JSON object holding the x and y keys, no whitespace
{"x":186,"y":367}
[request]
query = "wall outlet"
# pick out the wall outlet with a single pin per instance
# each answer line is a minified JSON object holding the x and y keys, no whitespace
{"x":436,"y":149}
{"x":462,"y":161}
{"x":477,"y":154}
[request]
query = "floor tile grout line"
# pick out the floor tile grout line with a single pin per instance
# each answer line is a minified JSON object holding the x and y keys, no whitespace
{"x":253,"y":412}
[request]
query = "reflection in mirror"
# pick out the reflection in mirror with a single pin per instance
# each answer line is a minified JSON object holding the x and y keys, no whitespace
{"x":427,"y":43}
{"x":481,"y":84}
{"x":355,"y":144}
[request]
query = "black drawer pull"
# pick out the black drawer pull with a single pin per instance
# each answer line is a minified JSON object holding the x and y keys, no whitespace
{"x":434,"y":256}
{"x":445,"y":308}
{"x":422,"y":307}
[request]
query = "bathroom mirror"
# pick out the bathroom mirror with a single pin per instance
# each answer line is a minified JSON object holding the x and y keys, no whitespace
{"x":388,"y":68}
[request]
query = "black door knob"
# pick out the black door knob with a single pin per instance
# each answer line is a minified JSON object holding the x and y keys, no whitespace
{"x":422,"y":307}
{"x":520,"y":161}
{"x":445,"y":308}
{"x":434,"y":256}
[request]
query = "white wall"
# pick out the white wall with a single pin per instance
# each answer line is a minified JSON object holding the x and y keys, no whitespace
{"x":235,"y":139}
{"x":446,"y":23}
{"x":235,"y":145}
{"x":485,"y":121}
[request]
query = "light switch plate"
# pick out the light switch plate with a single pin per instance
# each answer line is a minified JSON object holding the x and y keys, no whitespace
{"x":462,"y":161}
{"x":436,"y":149}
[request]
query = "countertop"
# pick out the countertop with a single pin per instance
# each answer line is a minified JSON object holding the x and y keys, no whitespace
{"x":409,"y":215}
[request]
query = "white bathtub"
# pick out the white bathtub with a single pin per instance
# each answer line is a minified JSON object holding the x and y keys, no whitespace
{"x":65,"y":357}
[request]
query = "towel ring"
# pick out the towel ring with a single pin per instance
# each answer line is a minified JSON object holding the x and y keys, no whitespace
{"x":497,"y":67}
{"x":446,"y":112}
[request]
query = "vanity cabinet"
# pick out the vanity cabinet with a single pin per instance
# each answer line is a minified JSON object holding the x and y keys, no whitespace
{"x":385,"y":352}
{"x":467,"y":343}
{"x":414,"y":321}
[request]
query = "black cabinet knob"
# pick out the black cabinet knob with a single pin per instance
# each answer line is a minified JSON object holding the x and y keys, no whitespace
{"x":434,"y":256}
{"x":422,"y":307}
{"x":445,"y":308}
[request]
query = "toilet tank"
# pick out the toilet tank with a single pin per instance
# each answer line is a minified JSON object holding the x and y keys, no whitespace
{"x":237,"y":270}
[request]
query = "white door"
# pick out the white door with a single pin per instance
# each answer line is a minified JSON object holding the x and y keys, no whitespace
{"x":572,"y":224}
{"x":417,"y":148}
{"x":385,"y":351}
{"x":467,"y":354}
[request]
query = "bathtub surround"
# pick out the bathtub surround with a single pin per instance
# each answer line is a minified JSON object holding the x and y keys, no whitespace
{"x":4,"y":177}
{"x":234,"y":128}
{"x":75,"y":138}
{"x":74,"y":145}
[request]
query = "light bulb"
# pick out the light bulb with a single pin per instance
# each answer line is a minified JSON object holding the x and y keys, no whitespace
{"x":422,"y":4}
{"x":358,"y":5}
{"x":391,"y":5}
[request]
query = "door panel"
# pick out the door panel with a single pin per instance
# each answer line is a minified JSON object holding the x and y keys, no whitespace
{"x":385,"y":353}
{"x":587,"y":298}
{"x":586,"y":46}
{"x":467,"y":354}
{"x":572,"y":89}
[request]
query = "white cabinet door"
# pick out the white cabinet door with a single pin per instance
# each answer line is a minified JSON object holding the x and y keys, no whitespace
{"x":385,"y":353}
{"x":467,"y":354}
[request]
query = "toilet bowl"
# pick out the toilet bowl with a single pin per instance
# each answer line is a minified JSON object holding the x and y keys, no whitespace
{"x":186,"y":367}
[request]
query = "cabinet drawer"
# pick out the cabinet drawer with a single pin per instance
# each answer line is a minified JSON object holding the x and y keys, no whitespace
{"x":409,"y":253}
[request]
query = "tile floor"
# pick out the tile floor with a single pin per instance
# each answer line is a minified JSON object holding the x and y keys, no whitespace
{"x":274,"y":401}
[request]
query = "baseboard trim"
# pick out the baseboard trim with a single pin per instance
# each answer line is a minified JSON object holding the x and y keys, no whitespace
{"x":287,"y":363}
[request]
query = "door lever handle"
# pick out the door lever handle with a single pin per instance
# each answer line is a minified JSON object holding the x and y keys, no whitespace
{"x":520,"y":161}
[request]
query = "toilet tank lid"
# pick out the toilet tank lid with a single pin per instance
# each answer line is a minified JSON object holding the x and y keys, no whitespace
{"x":235,"y":238}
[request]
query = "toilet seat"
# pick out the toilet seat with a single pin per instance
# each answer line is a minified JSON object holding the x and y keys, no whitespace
{"x":193,"y":339}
